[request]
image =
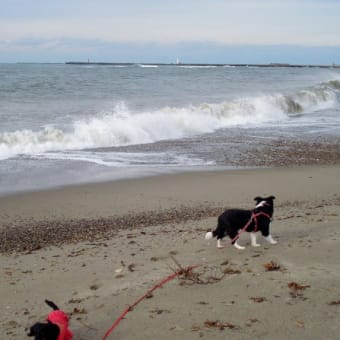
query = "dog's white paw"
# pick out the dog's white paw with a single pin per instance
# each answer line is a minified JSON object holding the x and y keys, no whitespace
{"x":253,"y":240}
{"x":270,"y":239}
{"x":219,"y":244}
{"x":209,"y":235}
{"x":237,"y":246}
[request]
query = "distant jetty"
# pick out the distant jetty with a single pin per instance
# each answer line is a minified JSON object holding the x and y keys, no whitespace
{"x":199,"y":65}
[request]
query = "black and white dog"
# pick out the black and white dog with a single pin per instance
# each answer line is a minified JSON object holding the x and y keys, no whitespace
{"x":234,"y":221}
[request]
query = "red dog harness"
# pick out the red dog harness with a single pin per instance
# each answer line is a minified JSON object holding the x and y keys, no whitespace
{"x":253,"y":217}
{"x":59,"y":318}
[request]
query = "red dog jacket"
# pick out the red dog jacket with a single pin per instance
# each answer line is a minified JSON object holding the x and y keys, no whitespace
{"x":59,"y":318}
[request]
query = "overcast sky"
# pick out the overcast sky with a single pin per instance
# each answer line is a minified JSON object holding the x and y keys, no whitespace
{"x":215,"y":31}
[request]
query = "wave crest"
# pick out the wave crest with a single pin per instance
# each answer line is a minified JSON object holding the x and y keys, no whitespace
{"x":122,"y":127}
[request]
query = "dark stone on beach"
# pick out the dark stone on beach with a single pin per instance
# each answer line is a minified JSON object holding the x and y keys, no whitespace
{"x":278,"y":153}
{"x":39,"y":234}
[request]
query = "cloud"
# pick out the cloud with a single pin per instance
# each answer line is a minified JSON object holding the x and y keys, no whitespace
{"x":75,"y":28}
{"x":266,"y":22}
{"x":143,"y":31}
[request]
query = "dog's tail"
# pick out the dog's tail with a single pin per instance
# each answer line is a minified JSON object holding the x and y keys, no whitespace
{"x":52,"y":305}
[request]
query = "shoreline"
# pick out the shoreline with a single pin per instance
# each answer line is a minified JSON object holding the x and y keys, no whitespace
{"x":256,"y":153}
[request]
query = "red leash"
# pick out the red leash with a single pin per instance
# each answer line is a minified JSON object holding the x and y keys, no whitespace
{"x":130,"y":308}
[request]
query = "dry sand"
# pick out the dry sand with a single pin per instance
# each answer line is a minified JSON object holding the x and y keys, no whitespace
{"x":95,"y":249}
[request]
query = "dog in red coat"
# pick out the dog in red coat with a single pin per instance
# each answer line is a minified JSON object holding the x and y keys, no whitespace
{"x":56,"y":327}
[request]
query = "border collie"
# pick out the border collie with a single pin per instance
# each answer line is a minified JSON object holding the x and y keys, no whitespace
{"x":56,"y":327}
{"x":234,"y":221}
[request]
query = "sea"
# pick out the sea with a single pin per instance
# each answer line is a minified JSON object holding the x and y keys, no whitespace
{"x":65,"y":124}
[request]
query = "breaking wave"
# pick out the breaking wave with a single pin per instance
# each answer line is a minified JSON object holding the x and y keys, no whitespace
{"x":122,"y":127}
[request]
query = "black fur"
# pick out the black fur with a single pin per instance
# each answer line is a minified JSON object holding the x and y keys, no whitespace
{"x":233,"y":220}
{"x":52,"y":304}
{"x":46,"y":330}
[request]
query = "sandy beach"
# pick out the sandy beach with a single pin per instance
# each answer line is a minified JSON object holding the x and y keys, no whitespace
{"x":95,"y":249}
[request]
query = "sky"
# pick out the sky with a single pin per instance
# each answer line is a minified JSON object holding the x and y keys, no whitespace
{"x":160,"y":31}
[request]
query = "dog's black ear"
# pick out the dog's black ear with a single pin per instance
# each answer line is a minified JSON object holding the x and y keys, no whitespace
{"x":258,"y":199}
{"x":271,"y":198}
{"x":37,"y":329}
{"x":52,"y":304}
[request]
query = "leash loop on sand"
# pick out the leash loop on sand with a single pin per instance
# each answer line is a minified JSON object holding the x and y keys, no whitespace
{"x":131,"y":307}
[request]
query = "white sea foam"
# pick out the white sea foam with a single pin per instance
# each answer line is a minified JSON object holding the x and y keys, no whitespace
{"x":148,"y":66}
{"x":122,"y":127}
{"x":124,"y":159}
{"x":197,"y":66}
